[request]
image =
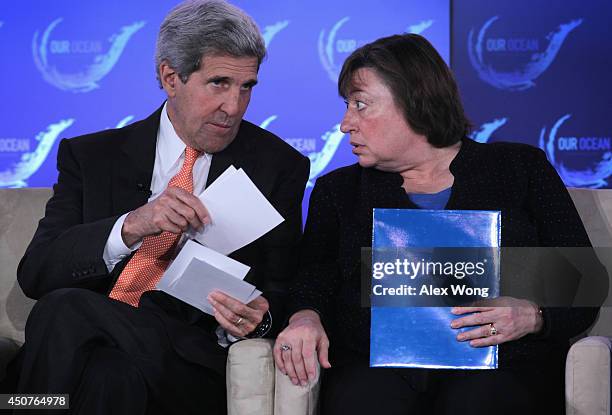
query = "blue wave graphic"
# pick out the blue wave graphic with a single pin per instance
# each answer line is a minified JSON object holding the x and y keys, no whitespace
{"x":17,"y":174}
{"x":124,"y":121}
{"x":272,"y":30}
{"x":592,"y":177}
{"x":485,"y":131}
{"x":326,"y":44}
{"x":522,"y":78}
{"x":87,"y":79}
{"x":420,"y":27}
{"x":326,"y":50}
{"x":319,"y":160}
{"x":265,"y":123}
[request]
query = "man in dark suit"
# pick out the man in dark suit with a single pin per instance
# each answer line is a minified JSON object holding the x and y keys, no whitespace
{"x":122,"y":202}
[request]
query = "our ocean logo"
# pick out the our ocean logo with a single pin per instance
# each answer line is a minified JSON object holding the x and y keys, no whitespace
{"x":529,"y":57}
{"x":486,"y":130}
{"x":21,"y":158}
{"x":334,"y":47}
{"x":270,"y":31}
{"x":56,"y":58}
{"x":319,"y":160}
{"x":581,"y":161}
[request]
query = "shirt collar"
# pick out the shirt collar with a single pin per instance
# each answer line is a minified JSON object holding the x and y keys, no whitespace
{"x":170,"y":147}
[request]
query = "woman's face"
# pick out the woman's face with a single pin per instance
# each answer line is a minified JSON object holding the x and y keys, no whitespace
{"x":379,"y":133}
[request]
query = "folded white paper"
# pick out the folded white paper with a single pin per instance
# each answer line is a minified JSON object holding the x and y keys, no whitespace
{"x":197,"y":271}
{"x":239,"y":213}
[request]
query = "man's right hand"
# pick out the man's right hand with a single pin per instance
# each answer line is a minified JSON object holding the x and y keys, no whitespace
{"x":173,"y":211}
{"x":304,"y":340}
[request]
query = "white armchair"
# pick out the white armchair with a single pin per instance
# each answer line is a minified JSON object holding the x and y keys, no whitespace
{"x":254,"y":386}
{"x":587,"y":369}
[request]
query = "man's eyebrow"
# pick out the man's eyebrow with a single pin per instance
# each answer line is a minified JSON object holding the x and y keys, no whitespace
{"x":218,"y":79}
{"x":250,"y":83}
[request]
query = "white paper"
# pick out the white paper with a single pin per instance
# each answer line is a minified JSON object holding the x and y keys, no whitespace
{"x":227,"y":173}
{"x":240,"y":214}
{"x":197,"y":271}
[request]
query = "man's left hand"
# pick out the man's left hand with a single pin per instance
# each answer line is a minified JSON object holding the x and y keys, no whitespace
{"x":237,"y":318}
{"x":497,"y":321}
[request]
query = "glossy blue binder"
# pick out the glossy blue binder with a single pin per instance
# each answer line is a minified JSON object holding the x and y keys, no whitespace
{"x":414,"y":330}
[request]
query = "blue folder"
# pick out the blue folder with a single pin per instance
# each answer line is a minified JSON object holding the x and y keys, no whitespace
{"x":412,"y":328}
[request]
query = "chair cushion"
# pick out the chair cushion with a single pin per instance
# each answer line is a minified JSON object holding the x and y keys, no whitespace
{"x":20,"y":210}
{"x":250,"y":377}
{"x":587,"y":377}
{"x":290,"y":399}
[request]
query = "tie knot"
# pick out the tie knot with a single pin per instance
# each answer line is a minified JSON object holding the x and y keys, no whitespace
{"x":191,"y":154}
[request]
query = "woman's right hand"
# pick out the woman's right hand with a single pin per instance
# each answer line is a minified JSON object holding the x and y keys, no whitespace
{"x":298,"y":346}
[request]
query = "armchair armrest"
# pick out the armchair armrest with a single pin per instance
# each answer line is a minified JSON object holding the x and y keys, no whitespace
{"x":587,"y":377}
{"x":250,"y":377}
{"x":255,"y":386}
{"x":290,"y":399}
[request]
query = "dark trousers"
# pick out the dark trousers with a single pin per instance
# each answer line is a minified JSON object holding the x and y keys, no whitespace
{"x":358,"y":389}
{"x":112,"y":359}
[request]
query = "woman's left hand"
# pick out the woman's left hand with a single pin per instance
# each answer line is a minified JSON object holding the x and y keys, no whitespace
{"x":498,"y":321}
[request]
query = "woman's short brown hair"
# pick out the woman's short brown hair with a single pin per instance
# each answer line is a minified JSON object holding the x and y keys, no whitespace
{"x":421,"y":83}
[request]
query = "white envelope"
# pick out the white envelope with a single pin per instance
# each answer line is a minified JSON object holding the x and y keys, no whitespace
{"x":240,"y":214}
{"x":197,"y":271}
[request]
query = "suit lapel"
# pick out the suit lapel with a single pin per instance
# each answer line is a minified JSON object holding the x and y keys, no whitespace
{"x":241,"y":153}
{"x":379,"y":190}
{"x":134,"y":166}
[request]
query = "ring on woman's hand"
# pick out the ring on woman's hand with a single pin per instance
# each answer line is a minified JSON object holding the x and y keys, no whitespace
{"x":492,"y":330}
{"x":285,"y":347}
{"x":237,"y":323}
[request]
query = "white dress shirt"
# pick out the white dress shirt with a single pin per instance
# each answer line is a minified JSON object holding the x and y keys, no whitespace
{"x":169,"y":156}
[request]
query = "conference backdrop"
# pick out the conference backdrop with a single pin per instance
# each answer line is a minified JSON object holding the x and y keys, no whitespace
{"x":528,"y":73}
{"x":73,"y":67}
{"x":537,"y":72}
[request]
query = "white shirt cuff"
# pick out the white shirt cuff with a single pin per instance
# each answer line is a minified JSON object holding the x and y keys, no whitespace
{"x":115,"y":249}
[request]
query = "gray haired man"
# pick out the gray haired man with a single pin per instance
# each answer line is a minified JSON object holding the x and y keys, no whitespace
{"x":123,"y":199}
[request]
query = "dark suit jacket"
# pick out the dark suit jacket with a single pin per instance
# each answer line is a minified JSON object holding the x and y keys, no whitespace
{"x":536,"y":210}
{"x":106,"y":174}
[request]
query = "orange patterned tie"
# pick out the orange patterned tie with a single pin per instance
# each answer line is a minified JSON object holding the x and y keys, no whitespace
{"x":145,"y":269}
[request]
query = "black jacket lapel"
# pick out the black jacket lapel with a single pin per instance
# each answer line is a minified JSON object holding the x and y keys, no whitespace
{"x":134,"y":165}
{"x":241,"y":153}
{"x":379,"y":190}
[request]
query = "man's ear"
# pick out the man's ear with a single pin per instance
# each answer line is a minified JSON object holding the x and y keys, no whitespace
{"x":169,"y":78}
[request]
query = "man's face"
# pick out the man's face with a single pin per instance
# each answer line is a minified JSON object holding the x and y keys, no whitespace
{"x":206,"y":110}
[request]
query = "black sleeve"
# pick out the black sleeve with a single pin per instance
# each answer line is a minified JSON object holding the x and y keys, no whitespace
{"x":558,"y":225}
{"x":65,"y":252}
{"x":319,"y":276}
{"x":281,"y":246}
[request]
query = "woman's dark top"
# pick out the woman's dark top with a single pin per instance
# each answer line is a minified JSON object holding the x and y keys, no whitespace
{"x":517,"y":179}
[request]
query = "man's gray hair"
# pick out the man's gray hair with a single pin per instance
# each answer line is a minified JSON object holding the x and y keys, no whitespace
{"x":198,"y":28}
